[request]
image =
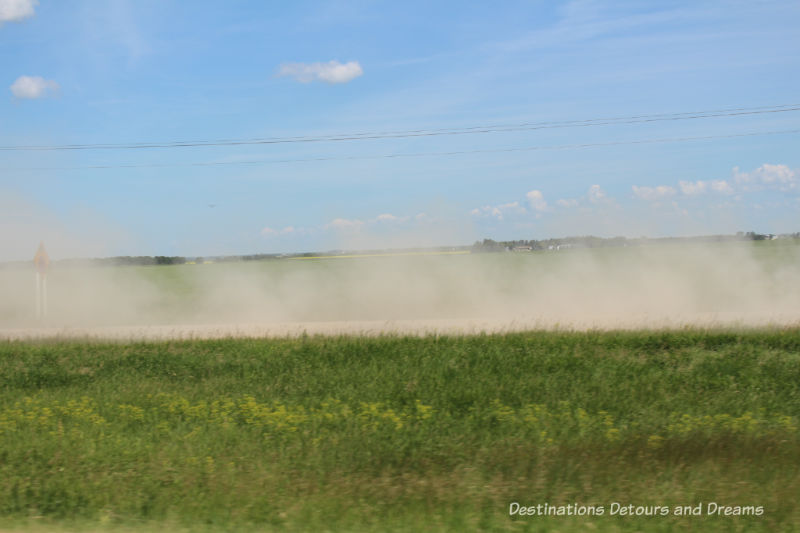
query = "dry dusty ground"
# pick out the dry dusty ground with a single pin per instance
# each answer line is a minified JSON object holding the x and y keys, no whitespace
{"x":734,"y":285}
{"x":401,"y":327}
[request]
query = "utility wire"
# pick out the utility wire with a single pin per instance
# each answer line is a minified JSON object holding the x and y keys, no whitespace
{"x":469,"y":130}
{"x":426,"y":154}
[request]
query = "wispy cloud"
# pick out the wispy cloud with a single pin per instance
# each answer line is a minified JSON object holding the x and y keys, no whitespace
{"x":538,"y":205}
{"x":498,"y":211}
{"x":344,"y":224}
{"x":388,"y":218}
{"x":567,"y":202}
{"x":767,"y":176}
{"x":33,"y":87}
{"x":693,"y":188}
{"x":288,"y":230}
{"x":597,"y":195}
{"x":330,"y":72}
{"x":584,"y":20}
{"x":16,"y":10}
{"x":116,"y":33}
{"x":721,"y":186}
{"x":382,"y":222}
{"x":653,"y":193}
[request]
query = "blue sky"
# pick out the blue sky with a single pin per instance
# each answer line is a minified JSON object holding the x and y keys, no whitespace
{"x":127,"y":72}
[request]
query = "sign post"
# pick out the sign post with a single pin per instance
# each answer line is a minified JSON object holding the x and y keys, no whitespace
{"x":42,"y":262}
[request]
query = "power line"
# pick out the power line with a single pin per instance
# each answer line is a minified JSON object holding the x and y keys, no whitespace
{"x":467,"y":130}
{"x":426,"y":154}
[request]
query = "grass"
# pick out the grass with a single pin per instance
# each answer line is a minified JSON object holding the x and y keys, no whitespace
{"x":401,"y":433}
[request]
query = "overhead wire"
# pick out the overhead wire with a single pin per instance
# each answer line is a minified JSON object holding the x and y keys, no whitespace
{"x":375,"y":135}
{"x":426,"y":154}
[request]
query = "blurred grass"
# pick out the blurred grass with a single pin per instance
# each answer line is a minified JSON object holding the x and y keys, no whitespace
{"x":400,"y":433}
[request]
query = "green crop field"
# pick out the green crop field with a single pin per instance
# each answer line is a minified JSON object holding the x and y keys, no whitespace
{"x":403,"y":433}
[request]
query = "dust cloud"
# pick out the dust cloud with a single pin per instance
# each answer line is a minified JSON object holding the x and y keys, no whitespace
{"x":655,"y":286}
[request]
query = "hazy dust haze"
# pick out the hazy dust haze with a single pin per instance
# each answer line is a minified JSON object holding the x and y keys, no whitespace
{"x":739,"y":284}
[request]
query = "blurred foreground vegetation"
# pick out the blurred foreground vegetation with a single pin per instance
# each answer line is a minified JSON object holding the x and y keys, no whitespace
{"x":400,"y":433}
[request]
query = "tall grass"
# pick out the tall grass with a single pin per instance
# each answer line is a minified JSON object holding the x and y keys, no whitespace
{"x":401,"y":433}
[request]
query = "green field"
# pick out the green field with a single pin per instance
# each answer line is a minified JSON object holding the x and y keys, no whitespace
{"x":401,"y":433}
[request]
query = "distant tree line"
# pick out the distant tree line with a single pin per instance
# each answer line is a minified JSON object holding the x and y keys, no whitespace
{"x":590,"y":241}
{"x":142,"y":260}
{"x":484,"y":246}
{"x":126,"y":260}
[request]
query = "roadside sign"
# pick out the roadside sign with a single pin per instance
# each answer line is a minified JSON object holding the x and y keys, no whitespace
{"x":41,"y":259}
{"x":42,"y":262}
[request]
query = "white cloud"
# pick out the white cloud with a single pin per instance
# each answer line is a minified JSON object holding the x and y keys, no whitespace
{"x":653,"y":193}
{"x":330,"y":72}
{"x":536,"y":200}
{"x":343,"y":224}
{"x":33,"y":87}
{"x":767,"y":176}
{"x":567,"y":202}
{"x":487,"y":210}
{"x":498,"y":211}
{"x":512,"y":206}
{"x":596,"y":194}
{"x":388,"y":218}
{"x":721,"y":186}
{"x":269,"y":232}
{"x":693,"y":188}
{"x":16,"y":10}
